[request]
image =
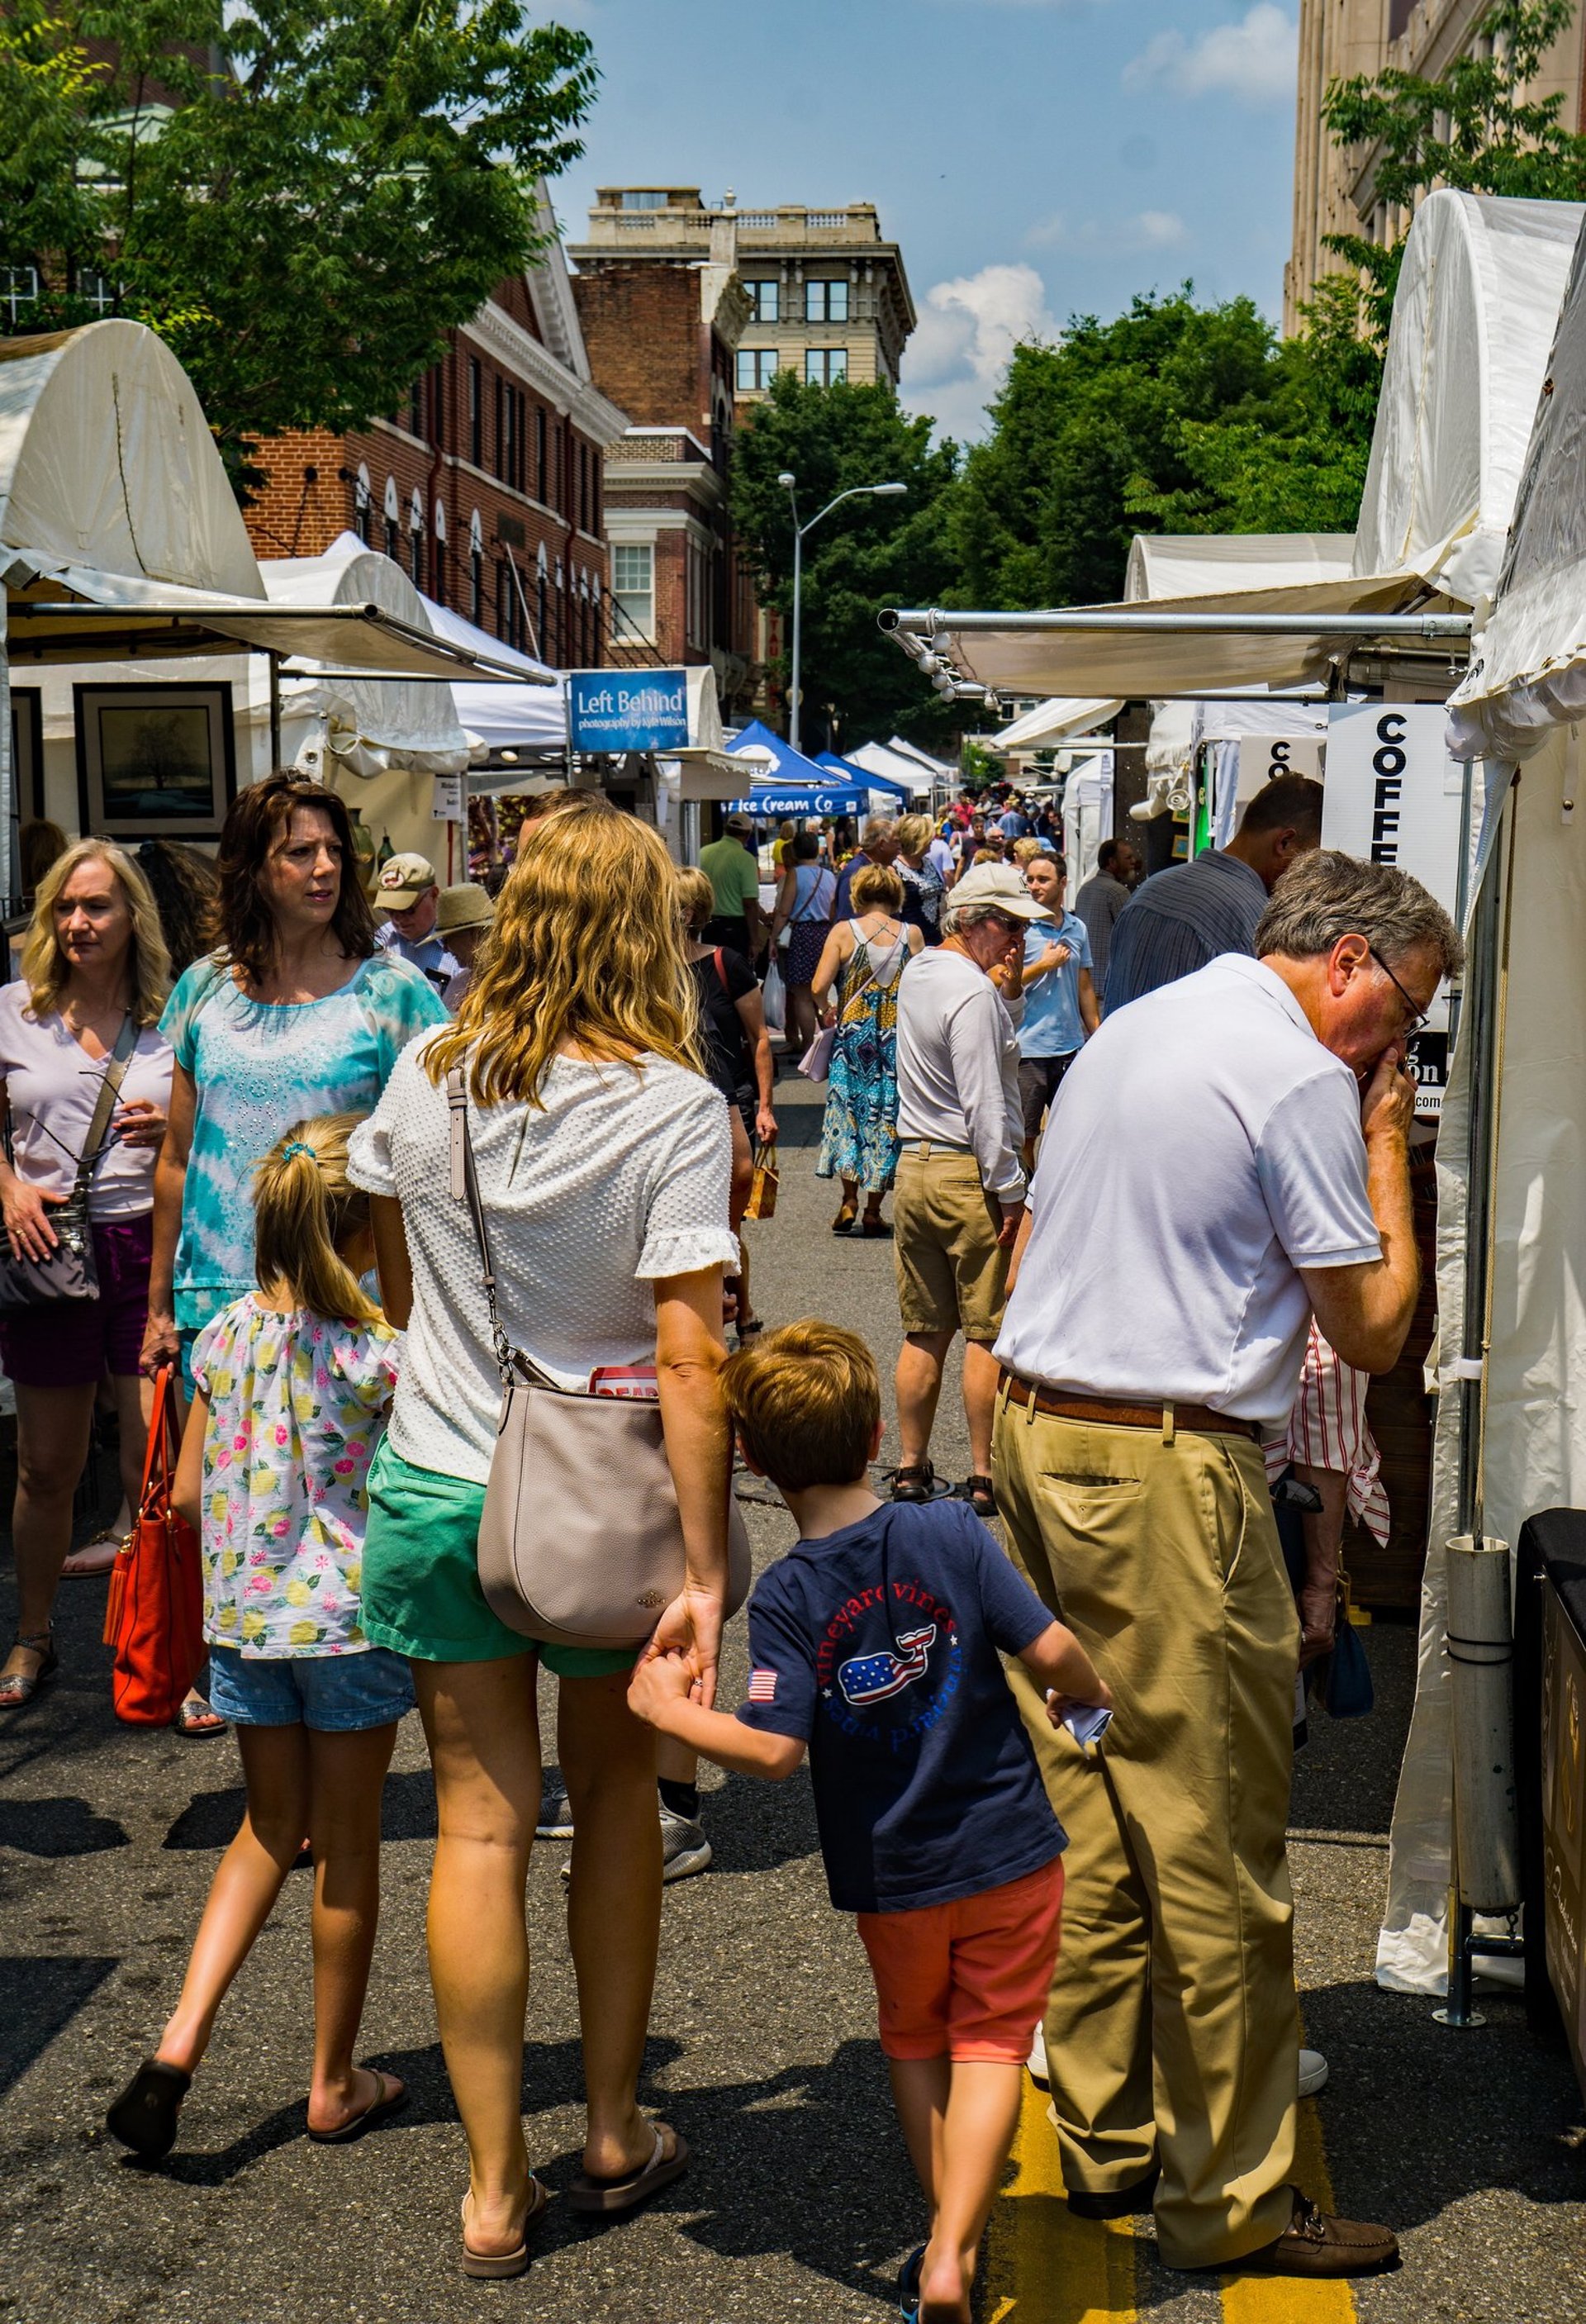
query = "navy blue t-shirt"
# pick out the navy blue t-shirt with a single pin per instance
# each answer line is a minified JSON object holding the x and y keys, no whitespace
{"x":877,"y":1645}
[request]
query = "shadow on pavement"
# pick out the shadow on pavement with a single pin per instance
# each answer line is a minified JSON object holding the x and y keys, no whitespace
{"x":58,"y":1827}
{"x":43,"y":1992}
{"x":212,"y":1819}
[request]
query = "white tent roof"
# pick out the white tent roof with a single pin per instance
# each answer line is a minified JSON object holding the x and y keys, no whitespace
{"x":1473,"y":319}
{"x":119,"y":532}
{"x":1192,"y":563}
{"x":1528,"y":674}
{"x":417,"y":722}
{"x":939,"y":767}
{"x":897,"y":764}
{"x":1050,"y":721}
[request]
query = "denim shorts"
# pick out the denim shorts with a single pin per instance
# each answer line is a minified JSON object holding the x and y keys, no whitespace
{"x":334,"y":1694}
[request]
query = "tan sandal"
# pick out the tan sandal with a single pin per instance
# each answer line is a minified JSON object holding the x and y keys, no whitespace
{"x":496,"y":2267}
{"x":610,"y":2197}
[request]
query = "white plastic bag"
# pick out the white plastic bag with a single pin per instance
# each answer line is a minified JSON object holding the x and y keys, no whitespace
{"x":774,"y":999}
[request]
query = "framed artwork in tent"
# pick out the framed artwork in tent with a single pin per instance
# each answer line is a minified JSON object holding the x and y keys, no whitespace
{"x":27,"y":751}
{"x":154,"y":761}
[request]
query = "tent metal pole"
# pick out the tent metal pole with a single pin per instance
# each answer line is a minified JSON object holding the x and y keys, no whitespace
{"x":931,"y":622}
{"x":1479,"y":1026}
{"x":275,"y":662}
{"x":8,"y":870}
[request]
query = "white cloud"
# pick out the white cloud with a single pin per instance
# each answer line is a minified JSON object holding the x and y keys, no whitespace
{"x":1147,"y":230}
{"x":1256,"y":59}
{"x":968,"y":329}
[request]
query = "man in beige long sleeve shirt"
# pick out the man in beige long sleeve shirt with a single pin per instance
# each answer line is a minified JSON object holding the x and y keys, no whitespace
{"x":960,"y":1187}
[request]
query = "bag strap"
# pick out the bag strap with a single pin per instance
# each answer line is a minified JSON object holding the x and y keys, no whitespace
{"x":721,"y":968}
{"x":126,"y":1041}
{"x":464,"y":1188}
{"x":163,"y":1445}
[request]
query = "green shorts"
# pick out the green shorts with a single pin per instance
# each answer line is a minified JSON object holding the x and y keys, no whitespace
{"x":420,"y":1587}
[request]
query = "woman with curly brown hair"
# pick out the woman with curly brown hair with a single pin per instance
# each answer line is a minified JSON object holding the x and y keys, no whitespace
{"x":297,"y":1014}
{"x":604,"y":1163}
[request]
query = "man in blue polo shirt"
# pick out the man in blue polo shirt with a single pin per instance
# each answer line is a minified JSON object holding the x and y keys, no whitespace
{"x":1060,"y":1006}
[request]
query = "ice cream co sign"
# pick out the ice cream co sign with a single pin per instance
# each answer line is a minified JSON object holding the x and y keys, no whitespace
{"x":627,"y":709}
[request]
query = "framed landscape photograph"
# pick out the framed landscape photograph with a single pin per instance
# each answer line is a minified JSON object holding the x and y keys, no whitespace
{"x":154,"y":761}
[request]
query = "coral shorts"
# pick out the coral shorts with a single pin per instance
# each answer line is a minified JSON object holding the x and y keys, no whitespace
{"x":967,"y":1979}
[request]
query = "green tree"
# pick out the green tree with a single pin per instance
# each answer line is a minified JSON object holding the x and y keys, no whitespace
{"x":1088,"y":434}
{"x":868,"y":554}
{"x":1474,"y":129}
{"x":303,"y":196}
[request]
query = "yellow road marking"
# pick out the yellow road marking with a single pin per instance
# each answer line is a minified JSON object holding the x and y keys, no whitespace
{"x":1042,"y":2265}
{"x":1289,"y":2299}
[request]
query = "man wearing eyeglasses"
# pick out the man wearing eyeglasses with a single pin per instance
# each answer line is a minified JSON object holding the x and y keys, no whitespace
{"x":1229,"y":1156}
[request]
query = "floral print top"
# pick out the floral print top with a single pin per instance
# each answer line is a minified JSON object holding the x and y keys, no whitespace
{"x":297,"y":1406}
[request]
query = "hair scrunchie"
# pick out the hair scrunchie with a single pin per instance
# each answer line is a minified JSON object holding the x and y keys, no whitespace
{"x":297,"y":1146}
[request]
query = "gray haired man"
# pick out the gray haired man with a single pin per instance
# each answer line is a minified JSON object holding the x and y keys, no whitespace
{"x":878,"y":843}
{"x":960,"y":1183}
{"x":1234,"y":1158}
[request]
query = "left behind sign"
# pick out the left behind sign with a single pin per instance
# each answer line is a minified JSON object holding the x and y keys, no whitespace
{"x":628,"y":710}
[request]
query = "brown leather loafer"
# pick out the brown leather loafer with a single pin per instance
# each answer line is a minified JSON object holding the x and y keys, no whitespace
{"x":1318,"y":2243}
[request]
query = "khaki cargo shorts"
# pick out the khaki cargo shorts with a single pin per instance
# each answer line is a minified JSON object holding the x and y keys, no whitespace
{"x":951,"y":1273}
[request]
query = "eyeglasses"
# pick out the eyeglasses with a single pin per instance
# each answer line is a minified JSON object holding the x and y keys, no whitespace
{"x":1419,"y":1018}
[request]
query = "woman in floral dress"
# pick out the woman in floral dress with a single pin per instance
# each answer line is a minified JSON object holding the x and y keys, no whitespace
{"x":868,"y":954}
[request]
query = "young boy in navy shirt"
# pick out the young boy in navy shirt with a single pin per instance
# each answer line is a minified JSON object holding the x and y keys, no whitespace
{"x":874,"y":1643}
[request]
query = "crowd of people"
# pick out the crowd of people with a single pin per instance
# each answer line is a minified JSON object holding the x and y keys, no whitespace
{"x":372,"y":1156}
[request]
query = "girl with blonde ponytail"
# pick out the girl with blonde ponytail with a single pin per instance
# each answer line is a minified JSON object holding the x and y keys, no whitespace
{"x":293,"y":1383}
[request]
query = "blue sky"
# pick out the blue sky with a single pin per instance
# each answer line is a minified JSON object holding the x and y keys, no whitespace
{"x":1033,"y":157}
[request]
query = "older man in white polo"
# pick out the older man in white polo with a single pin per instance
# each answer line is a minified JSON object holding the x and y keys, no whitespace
{"x":1229,"y":1156}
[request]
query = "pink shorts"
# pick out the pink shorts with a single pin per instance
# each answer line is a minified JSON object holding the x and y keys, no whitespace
{"x":968,"y":1979}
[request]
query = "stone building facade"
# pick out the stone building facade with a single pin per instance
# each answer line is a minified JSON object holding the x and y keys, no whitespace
{"x":828,"y":296}
{"x":662,"y":338}
{"x":487,"y":486}
{"x":1334,"y":189}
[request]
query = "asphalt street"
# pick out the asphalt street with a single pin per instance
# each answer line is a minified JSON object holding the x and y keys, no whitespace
{"x":799,"y":2203}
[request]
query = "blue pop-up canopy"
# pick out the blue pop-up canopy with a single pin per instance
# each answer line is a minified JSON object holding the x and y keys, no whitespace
{"x":797,"y":785}
{"x":849,"y":773}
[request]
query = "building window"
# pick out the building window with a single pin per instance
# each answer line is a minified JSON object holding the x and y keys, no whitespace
{"x":643,"y":198}
{"x":540,"y":455}
{"x":476,"y":584}
{"x":476,"y":412}
{"x":541,"y":585}
{"x":96,"y":290}
{"x":363,"y":505}
{"x":509,"y":620}
{"x":826,"y":302}
{"x":416,"y":409}
{"x":821,"y":365}
{"x":756,"y":368}
{"x":437,"y":405}
{"x":439,"y":553}
{"x":765,"y":300}
{"x":19,"y":287}
{"x":595,"y":481}
{"x":634,"y":588}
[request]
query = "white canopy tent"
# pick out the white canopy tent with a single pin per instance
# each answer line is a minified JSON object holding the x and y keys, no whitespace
{"x":897,"y":764}
{"x":1511,"y":1421}
{"x":1087,"y":816}
{"x":1052,"y":721}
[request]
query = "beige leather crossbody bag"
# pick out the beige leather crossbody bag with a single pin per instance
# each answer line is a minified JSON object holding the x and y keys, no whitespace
{"x":580,"y":1544}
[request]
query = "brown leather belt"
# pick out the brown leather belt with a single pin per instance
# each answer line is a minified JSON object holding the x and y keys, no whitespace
{"x":1108,"y":1412}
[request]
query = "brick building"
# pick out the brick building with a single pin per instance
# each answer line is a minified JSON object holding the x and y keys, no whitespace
{"x":663,"y":340}
{"x":488,"y":486}
{"x":1334,"y":189}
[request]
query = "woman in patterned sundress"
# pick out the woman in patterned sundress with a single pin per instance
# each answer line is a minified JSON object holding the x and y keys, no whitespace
{"x":859,"y":1138}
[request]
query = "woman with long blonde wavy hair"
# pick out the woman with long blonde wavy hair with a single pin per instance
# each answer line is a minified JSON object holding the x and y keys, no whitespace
{"x":604,"y":1162}
{"x":87,"y":1006}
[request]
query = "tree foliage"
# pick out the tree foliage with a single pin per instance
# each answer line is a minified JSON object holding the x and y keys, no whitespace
{"x":303,"y":196}
{"x":867,"y":554}
{"x":1474,"y":129}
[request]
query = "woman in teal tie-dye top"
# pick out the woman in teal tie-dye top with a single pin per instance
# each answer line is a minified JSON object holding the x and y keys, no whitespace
{"x":297,"y":1014}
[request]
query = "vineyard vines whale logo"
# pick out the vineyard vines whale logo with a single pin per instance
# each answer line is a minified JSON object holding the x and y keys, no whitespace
{"x":871,"y":1678}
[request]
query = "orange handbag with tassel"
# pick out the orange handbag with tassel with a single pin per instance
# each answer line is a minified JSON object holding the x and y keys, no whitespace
{"x":154,"y":1618}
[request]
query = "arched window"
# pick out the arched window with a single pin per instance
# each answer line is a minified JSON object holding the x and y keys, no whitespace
{"x":394,"y":519}
{"x":439,"y":552}
{"x":362,"y":503}
{"x":475,"y":571}
{"x":542,"y":571}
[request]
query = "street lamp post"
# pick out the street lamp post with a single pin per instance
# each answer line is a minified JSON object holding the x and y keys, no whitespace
{"x":855,"y":492}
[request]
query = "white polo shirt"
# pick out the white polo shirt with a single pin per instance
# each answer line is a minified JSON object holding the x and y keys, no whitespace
{"x":1204,"y":1147}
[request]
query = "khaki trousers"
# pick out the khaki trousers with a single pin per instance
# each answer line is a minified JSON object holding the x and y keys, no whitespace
{"x":1172,"y":2031}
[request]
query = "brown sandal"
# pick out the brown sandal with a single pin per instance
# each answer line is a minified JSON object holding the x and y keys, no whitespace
{"x":610,"y":2197}
{"x":497,"y":2267}
{"x":19,"y":1689}
{"x":843,"y":1221}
